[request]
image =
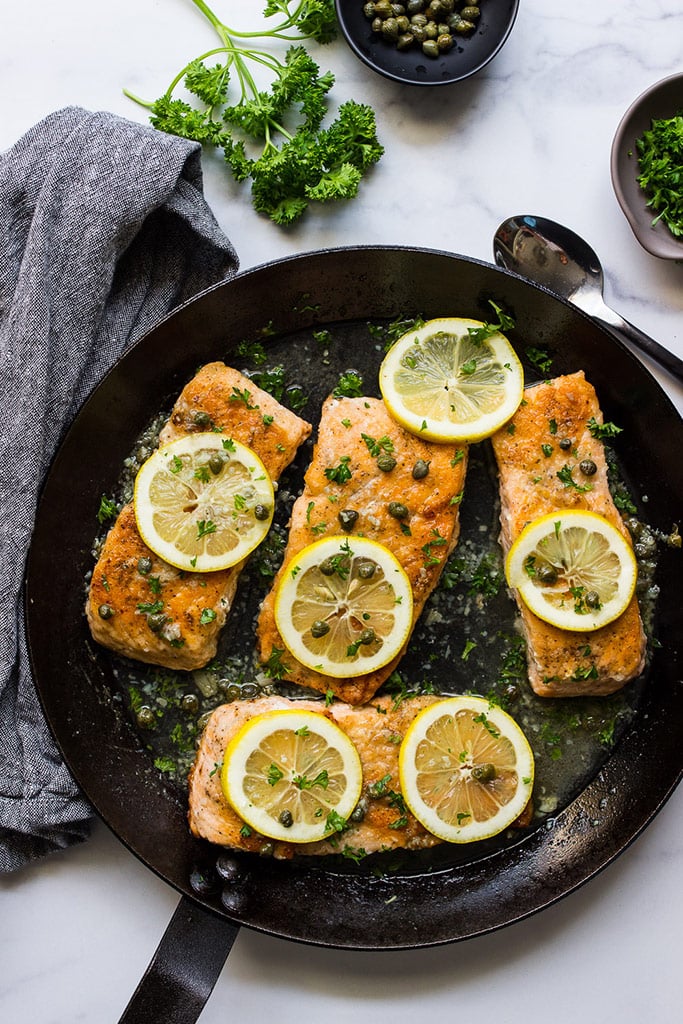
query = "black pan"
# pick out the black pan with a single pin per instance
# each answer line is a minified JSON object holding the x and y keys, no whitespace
{"x":417,"y":903}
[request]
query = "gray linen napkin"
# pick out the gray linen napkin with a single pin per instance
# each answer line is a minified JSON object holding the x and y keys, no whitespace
{"x":103,"y":230}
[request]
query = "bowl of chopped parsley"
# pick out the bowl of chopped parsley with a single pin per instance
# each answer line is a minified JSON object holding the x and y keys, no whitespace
{"x":426,"y":42}
{"x":647,"y":168}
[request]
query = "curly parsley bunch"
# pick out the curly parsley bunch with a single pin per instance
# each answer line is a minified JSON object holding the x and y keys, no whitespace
{"x":288,"y":165}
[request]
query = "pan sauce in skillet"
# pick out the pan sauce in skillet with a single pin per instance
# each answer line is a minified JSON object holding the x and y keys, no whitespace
{"x":465,"y":639}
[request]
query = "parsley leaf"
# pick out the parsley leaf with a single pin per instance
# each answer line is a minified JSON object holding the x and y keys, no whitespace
{"x":274,"y":135}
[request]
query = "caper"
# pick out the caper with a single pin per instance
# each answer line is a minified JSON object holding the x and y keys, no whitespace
{"x":105,"y":611}
{"x":403,"y":25}
{"x":383,"y":9}
{"x":328,"y":566}
{"x":202,"y":419}
{"x":464,"y":26}
{"x":645,"y":546}
{"x":367,"y":636}
{"x":261,"y":512}
{"x":592,"y":599}
{"x":216,"y":463}
{"x":431,"y":30}
{"x":405,"y":41}
{"x":390,"y":29}
{"x":588,"y":467}
{"x":155,"y":620}
{"x":386,"y":463}
{"x":565,"y":443}
{"x":673,"y":540}
{"x":285,"y":818}
{"x":484,"y":772}
{"x":320,"y":628}
{"x":397,"y":509}
{"x":190,"y":703}
{"x":419,"y":20}
{"x":414,"y":6}
{"x":547,"y":574}
{"x":430,"y":48}
{"x":144,"y":565}
{"x":266,"y":849}
{"x":376,"y":25}
{"x":359,"y":811}
{"x":419,"y":33}
{"x":420,"y":469}
{"x":635,"y":527}
{"x":447,"y":6}
{"x":369,"y":10}
{"x":470,"y":13}
{"x":444,"y":42}
{"x":397,"y":10}
{"x":366,"y":570}
{"x":347,"y":518}
{"x":231,"y":691}
{"x":145,"y":718}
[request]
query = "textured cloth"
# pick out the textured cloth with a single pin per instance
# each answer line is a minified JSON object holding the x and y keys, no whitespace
{"x":103,"y":230}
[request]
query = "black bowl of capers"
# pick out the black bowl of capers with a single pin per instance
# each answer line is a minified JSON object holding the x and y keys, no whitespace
{"x":426,"y":42}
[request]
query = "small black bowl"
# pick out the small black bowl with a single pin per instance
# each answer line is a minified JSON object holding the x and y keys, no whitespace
{"x":411,"y":67}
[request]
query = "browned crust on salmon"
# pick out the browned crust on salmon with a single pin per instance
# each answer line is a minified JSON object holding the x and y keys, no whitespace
{"x":236,"y":407}
{"x":421,"y":542}
{"x":563,"y":663}
{"x":376,"y":731}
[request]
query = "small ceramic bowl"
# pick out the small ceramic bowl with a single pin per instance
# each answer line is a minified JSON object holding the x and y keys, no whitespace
{"x":662,"y":100}
{"x":411,"y":67}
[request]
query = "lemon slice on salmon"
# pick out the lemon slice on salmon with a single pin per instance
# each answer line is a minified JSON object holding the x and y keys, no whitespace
{"x":344,"y":606}
{"x":452,"y":379}
{"x":573,"y":569}
{"x":292,"y":775}
{"x":203,"y":502}
{"x":466,"y":769}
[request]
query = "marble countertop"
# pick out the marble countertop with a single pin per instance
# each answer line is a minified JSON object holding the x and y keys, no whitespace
{"x":530,"y":133}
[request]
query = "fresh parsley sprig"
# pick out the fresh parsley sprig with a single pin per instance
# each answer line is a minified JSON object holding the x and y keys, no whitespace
{"x":295,"y":164}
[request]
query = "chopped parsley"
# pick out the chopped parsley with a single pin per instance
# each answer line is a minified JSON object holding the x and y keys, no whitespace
{"x":349,"y":385}
{"x":602,"y":431}
{"x":244,"y":396}
{"x":108,"y":509}
{"x":341,"y":473}
{"x":379,"y":445}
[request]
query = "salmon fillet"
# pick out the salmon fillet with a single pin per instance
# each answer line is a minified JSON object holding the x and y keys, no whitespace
{"x":165,"y":616}
{"x":376,"y":730}
{"x":361,"y":431}
{"x":563,"y":663}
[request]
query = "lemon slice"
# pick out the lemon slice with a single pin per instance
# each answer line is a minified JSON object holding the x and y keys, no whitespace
{"x":344,"y":606}
{"x":573,"y":569}
{"x":444,"y":384}
{"x":292,"y":775}
{"x":203,"y":502}
{"x":466,"y":769}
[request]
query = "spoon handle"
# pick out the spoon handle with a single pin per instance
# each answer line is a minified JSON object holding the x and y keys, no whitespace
{"x":623,"y":329}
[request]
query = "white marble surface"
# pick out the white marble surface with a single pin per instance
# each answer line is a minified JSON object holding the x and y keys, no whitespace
{"x":531,"y":133}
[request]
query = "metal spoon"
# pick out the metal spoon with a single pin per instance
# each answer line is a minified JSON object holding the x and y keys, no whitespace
{"x":551,"y":255}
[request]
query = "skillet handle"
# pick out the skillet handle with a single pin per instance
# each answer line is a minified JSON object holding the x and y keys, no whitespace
{"x":184,"y":969}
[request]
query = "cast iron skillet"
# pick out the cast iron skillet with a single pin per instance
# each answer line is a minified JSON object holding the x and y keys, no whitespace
{"x":316,"y":903}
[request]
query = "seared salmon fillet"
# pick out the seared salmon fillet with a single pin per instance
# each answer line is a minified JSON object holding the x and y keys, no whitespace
{"x":155,"y":612}
{"x":538,"y":457}
{"x":376,"y":730}
{"x":359,"y":435}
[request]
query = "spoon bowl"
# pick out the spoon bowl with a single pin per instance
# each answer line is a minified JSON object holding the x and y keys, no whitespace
{"x":555,"y":257}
